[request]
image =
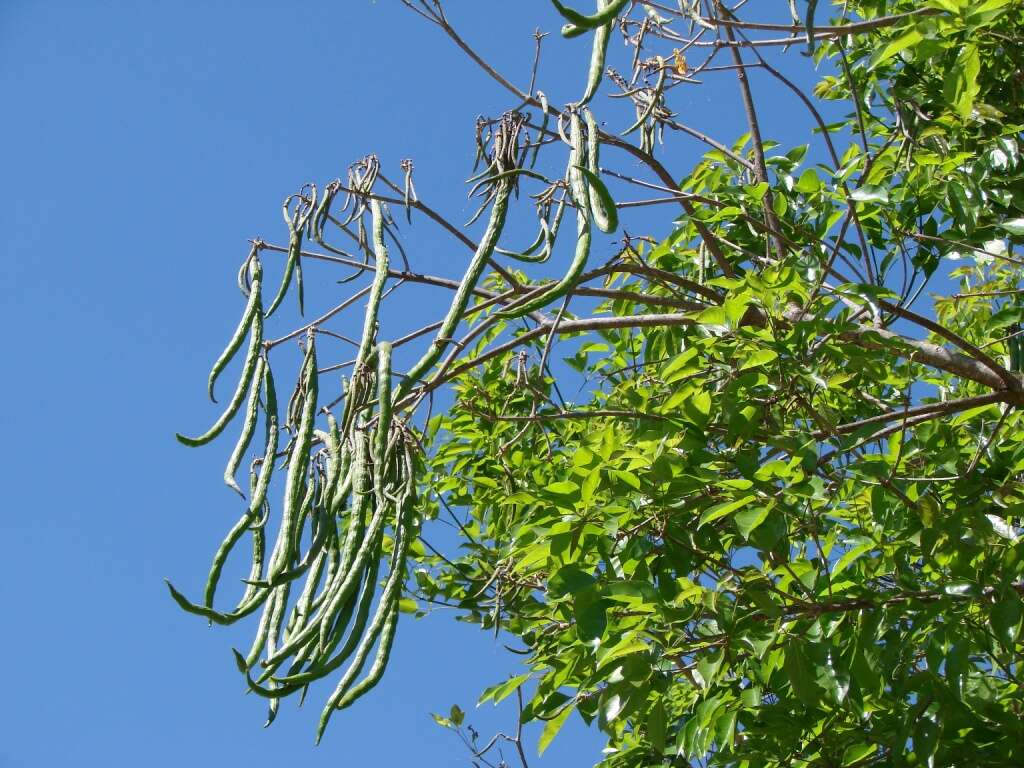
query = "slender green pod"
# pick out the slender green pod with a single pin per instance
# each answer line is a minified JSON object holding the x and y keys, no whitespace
{"x":599,"y":49}
{"x":385,"y":405}
{"x":296,"y":222}
{"x":262,"y":631}
{"x":224,"y":550}
{"x":248,"y":427}
{"x":362,"y":612}
{"x":380,"y":276}
{"x":544,"y":119}
{"x":376,"y":672}
{"x":295,"y":486}
{"x":273,"y":635}
{"x":248,"y":369}
{"x":581,"y":198}
{"x":485,"y":248}
{"x":217,"y":617}
{"x":607,"y":11}
{"x":649,"y":109}
{"x":353,"y":402}
{"x":259,"y":493}
{"x":386,"y":615}
{"x":812,"y":6}
{"x":602,"y":205}
{"x":355,"y":541}
{"x":244,"y":272}
{"x":252,"y":307}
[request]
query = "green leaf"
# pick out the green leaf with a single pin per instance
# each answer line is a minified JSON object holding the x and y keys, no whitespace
{"x":408,"y":605}
{"x":562,"y":488}
{"x":457,"y":715}
{"x":801,"y":674}
{"x":808,"y":182}
{"x":589,"y":610}
{"x":856,"y":752}
{"x":906,"y":40}
{"x":961,"y":83}
{"x":551,"y":729}
{"x":850,"y":556}
{"x":870,"y":193}
{"x":569,"y":580}
{"x":656,"y":727}
{"x":1013,"y":226}
{"x":758,"y":358}
{"x":962,"y":589}
{"x":748,"y":519}
{"x":497,"y":693}
{"x":1006,"y":619}
{"x":443,"y":721}
{"x":721,"y":510}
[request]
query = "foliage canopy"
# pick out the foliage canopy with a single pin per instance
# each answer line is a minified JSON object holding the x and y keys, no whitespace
{"x":778,"y":524}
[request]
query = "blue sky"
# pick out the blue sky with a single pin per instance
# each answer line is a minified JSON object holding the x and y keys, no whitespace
{"x":144,"y":143}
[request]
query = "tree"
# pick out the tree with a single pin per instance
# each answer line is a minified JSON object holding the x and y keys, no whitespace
{"x":778,"y":522}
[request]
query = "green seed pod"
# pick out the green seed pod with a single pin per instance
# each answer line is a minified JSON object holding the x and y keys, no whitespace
{"x":253,"y":307}
{"x":248,"y":427}
{"x":248,"y":368}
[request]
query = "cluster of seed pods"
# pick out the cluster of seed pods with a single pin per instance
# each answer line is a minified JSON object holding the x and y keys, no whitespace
{"x":349,"y":504}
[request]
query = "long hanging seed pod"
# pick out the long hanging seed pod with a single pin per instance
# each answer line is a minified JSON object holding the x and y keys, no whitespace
{"x":244,"y":326}
{"x":295,"y":489}
{"x":506,"y":151}
{"x":296,"y":221}
{"x":578,"y":186}
{"x":248,"y":369}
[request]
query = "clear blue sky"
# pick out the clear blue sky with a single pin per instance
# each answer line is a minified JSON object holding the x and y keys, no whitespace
{"x":143,"y":143}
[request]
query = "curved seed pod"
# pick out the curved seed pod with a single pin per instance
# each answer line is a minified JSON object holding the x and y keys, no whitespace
{"x":485,"y":248}
{"x":248,"y":427}
{"x":218,"y":617}
{"x":319,"y":218}
{"x":386,"y":616}
{"x":244,"y":326}
{"x":602,"y":205}
{"x":581,"y":198}
{"x":259,"y":492}
{"x":599,"y":50}
{"x":224,"y":550}
{"x":370,"y":548}
{"x":649,"y":109}
{"x":333,"y":596}
{"x":384,"y":414}
{"x":514,"y":172}
{"x":527,"y":254}
{"x":362,"y":613}
{"x":273,"y":636}
{"x":387,"y":639}
{"x":248,"y":368}
{"x":372,"y":309}
{"x":811,"y":7}
{"x":244,"y":275}
{"x":570,"y":31}
{"x":605,"y":15}
{"x":296,"y":222}
{"x":545,"y":118}
{"x":294,"y":489}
